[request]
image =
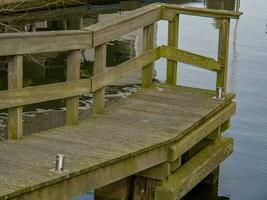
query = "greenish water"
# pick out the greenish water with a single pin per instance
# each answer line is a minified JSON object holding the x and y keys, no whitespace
{"x":244,"y":175}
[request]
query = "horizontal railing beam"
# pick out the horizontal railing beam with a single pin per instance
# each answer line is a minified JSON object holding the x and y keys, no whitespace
{"x":118,"y":26}
{"x":190,"y":58}
{"x":169,"y":10}
{"x":100,"y":33}
{"x":42,"y":42}
{"x":195,"y":170}
{"x":187,"y":142}
{"x":43,"y":93}
{"x":107,"y":77}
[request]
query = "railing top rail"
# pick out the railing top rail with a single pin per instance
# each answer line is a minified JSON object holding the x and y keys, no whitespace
{"x":100,"y":33}
{"x":204,"y":12}
{"x":42,"y":42}
{"x":43,"y":34}
{"x":120,"y":25}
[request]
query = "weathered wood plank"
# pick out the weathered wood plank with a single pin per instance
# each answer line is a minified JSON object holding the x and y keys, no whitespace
{"x":99,"y":67}
{"x":96,"y":145}
{"x":178,"y":184}
{"x":149,"y":42}
{"x":38,"y":94}
{"x":118,"y":26}
{"x":15,"y":81}
{"x":190,"y":140}
{"x":159,"y":172}
{"x":86,"y":180}
{"x":41,"y":42}
{"x":120,"y":190}
{"x":175,"y":165}
{"x":144,"y":188}
{"x":169,"y":10}
{"x":103,"y":79}
{"x":190,"y":58}
{"x":73,"y":74}
{"x":173,"y":31}
{"x":223,"y":47}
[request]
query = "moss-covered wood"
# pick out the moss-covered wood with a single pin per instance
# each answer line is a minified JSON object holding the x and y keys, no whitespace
{"x":207,"y":160}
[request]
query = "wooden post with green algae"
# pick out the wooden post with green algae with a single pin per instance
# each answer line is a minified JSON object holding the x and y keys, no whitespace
{"x":173,"y":31}
{"x":15,"y":81}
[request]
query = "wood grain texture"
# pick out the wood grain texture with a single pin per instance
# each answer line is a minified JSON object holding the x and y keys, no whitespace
{"x":99,"y":67}
{"x":73,"y":74}
{"x":190,"y":58}
{"x":176,"y":150}
{"x":149,"y":42}
{"x":118,"y":26}
{"x":15,"y":81}
{"x":159,"y":172}
{"x":130,"y":137}
{"x":144,"y":188}
{"x":41,"y":42}
{"x":223,"y":47}
{"x":120,"y":190}
{"x":173,"y":37}
{"x":103,"y":79}
{"x":169,"y":10}
{"x":37,"y":94}
{"x":207,"y":160}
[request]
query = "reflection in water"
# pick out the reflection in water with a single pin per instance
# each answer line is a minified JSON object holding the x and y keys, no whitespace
{"x":233,"y":65}
{"x":221,"y":4}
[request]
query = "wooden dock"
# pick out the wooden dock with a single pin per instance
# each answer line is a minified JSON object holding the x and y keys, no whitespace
{"x":158,"y":143}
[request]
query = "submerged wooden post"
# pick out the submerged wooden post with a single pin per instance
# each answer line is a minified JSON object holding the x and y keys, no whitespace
{"x":223,"y":47}
{"x":149,"y":43}
{"x":99,"y":67}
{"x":173,"y":31}
{"x":73,"y":73}
{"x":15,"y":81}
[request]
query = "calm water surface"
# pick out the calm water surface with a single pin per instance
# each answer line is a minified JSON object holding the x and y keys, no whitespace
{"x":244,"y":175}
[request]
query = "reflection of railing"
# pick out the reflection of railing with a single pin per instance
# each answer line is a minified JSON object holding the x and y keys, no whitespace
{"x":96,"y":36}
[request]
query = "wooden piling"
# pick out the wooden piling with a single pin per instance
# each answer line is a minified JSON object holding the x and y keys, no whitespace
{"x":120,"y":190}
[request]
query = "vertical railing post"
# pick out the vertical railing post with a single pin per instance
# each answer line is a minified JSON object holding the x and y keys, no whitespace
{"x":73,"y":73}
{"x":173,"y":37}
{"x":149,"y":43}
{"x":99,"y":67}
{"x":15,"y":81}
{"x":223,"y":47}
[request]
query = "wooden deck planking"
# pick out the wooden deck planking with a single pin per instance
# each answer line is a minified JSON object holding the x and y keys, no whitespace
{"x":144,"y":121}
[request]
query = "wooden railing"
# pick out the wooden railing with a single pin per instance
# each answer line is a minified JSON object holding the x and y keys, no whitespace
{"x":15,"y":45}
